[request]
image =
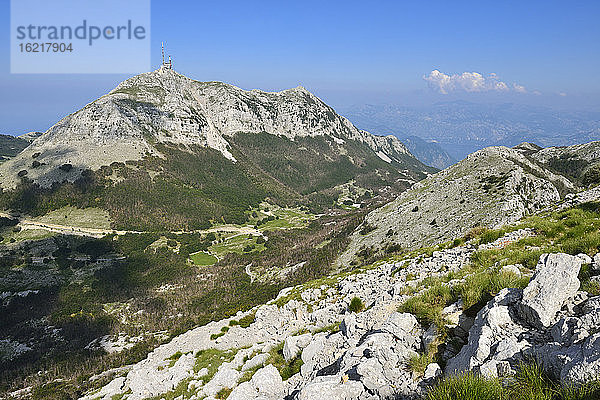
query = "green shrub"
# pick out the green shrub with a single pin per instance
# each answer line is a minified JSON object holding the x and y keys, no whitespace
{"x":488,"y":236}
{"x":247,"y":320}
{"x":211,"y":359}
{"x":589,"y":391}
{"x":223,"y":393}
{"x":356,"y":305}
{"x":480,"y":287}
{"x":366,"y":228}
{"x":529,"y":383}
{"x":393,"y":248}
{"x":419,"y":363}
{"x":333,"y":328}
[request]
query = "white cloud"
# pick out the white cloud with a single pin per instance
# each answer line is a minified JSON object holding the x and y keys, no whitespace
{"x":470,"y":82}
{"x":519,"y":88}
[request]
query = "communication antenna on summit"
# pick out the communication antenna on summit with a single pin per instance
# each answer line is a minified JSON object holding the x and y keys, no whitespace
{"x":168,"y":65}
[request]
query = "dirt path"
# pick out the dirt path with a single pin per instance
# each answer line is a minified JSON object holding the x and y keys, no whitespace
{"x":25,"y":223}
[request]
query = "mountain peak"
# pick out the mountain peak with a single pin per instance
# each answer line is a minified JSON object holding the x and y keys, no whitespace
{"x":163,"y":106}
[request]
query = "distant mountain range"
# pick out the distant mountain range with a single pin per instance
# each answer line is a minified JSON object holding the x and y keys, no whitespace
{"x":461,"y":127}
{"x":430,"y":153}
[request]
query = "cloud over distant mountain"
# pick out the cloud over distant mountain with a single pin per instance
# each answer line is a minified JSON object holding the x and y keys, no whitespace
{"x":469,"y":82}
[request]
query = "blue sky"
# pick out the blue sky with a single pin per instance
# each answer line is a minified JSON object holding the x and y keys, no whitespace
{"x":347,"y":52}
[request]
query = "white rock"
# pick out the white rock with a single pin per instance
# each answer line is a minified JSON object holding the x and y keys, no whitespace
{"x":585,"y":259}
{"x":224,"y":378}
{"x":331,"y":388}
{"x":404,"y":327}
{"x":596,"y":262}
{"x":432,"y":371}
{"x":492,"y":325}
{"x":513,"y":268}
{"x":267,"y":380}
{"x":255,"y":361}
{"x":554,"y":282}
{"x":294,"y":344}
{"x":371,"y":374}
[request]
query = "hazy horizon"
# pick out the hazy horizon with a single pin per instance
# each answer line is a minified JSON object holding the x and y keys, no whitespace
{"x":396,"y":54}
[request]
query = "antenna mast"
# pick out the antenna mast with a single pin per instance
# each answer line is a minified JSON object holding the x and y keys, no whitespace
{"x":168,"y":65}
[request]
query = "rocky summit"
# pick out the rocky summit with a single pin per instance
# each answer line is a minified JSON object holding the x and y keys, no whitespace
{"x":165,"y":107}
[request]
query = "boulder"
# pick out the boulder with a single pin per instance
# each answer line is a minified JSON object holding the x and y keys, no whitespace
{"x":513,"y":268}
{"x":432,"y":371}
{"x":404,"y":327}
{"x":493,"y":337}
{"x":255,"y":361}
{"x":429,"y":336}
{"x":452,"y":314}
{"x":585,"y":366}
{"x":331,"y":388}
{"x":371,"y":374}
{"x":554,"y":282}
{"x":266,"y":384}
{"x":224,"y":378}
{"x":596,"y":262}
{"x":244,"y":391}
{"x":294,"y":344}
{"x":585,"y":259}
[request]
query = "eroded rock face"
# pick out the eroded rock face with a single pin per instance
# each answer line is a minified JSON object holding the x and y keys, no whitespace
{"x":163,"y":106}
{"x":554,"y":282}
{"x":495,"y":336}
{"x":294,"y":344}
{"x":331,"y":387}
{"x":548,"y":321}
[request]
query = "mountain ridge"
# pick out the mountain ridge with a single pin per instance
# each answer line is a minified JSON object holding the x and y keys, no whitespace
{"x":492,"y":187}
{"x":240,"y":147}
{"x":166,"y":107}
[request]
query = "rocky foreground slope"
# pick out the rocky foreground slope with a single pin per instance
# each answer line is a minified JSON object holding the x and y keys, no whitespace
{"x":490,"y":188}
{"x":327,"y":351}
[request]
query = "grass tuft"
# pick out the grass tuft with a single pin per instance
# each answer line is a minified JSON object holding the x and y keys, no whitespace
{"x":356,"y":305}
{"x":469,"y":386}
